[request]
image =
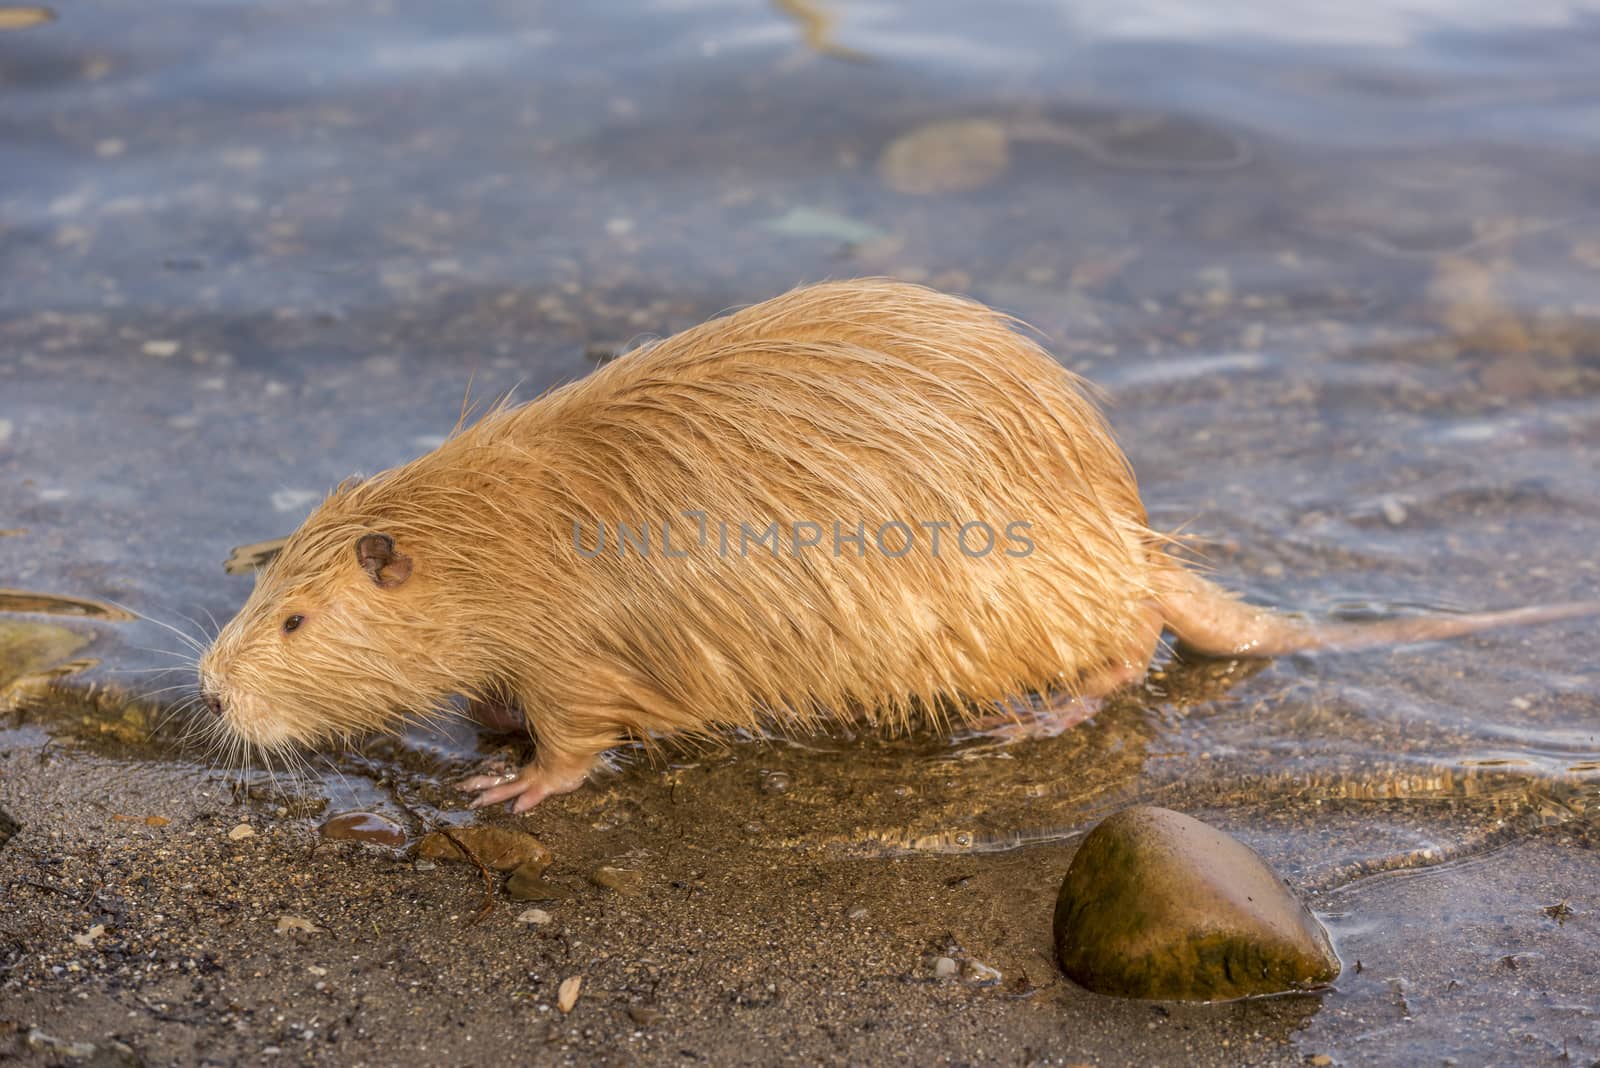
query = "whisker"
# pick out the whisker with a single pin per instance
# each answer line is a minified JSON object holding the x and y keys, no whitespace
{"x":195,"y":623}
{"x":145,"y":670}
{"x":187,"y":658}
{"x":327,"y":758}
{"x":193,"y":643}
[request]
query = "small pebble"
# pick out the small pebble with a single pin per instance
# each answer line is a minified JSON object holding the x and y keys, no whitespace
{"x":527,"y":884}
{"x":856,"y":912}
{"x":979,"y":974}
{"x":643,"y":1015}
{"x":943,"y":967}
{"x":538,"y":916}
{"x":567,"y":996}
{"x":775,"y":782}
{"x":296,"y":923}
{"x":87,"y":938}
{"x":242,"y":830}
{"x":161,"y":350}
{"x":622,"y":880}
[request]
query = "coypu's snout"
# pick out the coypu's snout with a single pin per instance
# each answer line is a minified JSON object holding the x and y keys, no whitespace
{"x":240,"y":713}
{"x":212,"y":691}
{"x":309,"y":657}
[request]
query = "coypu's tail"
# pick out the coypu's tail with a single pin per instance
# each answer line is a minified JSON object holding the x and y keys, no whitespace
{"x":1209,"y":620}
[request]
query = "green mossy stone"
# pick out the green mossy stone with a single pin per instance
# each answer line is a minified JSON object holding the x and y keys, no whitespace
{"x":1159,"y":905}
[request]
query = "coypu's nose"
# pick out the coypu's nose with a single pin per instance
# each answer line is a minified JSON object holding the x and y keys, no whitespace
{"x":214,"y":703}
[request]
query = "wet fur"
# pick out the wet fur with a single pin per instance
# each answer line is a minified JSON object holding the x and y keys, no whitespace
{"x":869,"y":401}
{"x":866,"y":400}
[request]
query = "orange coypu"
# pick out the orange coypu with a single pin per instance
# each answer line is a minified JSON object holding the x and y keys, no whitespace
{"x":860,"y":499}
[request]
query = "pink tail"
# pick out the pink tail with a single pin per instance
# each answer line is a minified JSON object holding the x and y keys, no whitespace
{"x":1209,"y":620}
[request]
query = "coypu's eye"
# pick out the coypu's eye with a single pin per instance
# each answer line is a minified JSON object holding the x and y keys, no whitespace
{"x":293,"y":623}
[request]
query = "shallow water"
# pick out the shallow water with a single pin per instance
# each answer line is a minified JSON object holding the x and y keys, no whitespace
{"x":1334,"y":268}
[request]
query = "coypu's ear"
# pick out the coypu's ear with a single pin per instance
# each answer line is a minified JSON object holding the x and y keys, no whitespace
{"x":379,"y":558}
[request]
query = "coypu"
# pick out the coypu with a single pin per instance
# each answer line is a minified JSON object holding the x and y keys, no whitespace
{"x":775,"y":484}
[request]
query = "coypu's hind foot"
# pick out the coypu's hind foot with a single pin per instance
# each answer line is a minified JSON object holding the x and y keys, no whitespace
{"x":1057,"y":713}
{"x":1021,"y":721}
{"x":532,"y":784}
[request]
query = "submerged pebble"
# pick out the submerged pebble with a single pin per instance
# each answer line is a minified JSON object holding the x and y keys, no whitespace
{"x":804,"y":221}
{"x":1464,"y":298}
{"x":1159,"y":905}
{"x":567,"y":996}
{"x":363,"y":827}
{"x":950,"y":156}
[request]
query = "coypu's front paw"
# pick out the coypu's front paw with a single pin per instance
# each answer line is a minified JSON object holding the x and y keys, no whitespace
{"x":530,"y":785}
